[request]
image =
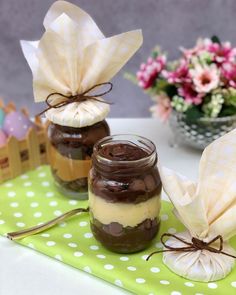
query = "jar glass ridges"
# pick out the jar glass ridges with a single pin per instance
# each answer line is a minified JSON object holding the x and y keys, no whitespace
{"x":124,"y":193}
{"x":201,"y":132}
{"x":70,"y":151}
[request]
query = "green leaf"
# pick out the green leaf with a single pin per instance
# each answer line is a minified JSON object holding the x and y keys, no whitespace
{"x":131,"y":77}
{"x":154,"y":54}
{"x":227,"y":111}
{"x":215,"y":39}
{"x":193,"y":114}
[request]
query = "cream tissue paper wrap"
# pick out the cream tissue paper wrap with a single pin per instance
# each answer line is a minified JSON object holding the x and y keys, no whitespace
{"x":72,"y":56}
{"x":207,"y":209}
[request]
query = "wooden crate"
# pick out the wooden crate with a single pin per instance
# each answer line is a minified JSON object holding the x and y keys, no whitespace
{"x":20,"y":156}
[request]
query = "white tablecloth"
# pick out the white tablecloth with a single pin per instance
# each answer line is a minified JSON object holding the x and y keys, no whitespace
{"x":26,"y":272}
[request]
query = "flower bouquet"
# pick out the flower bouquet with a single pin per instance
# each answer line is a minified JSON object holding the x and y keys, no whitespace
{"x":197,"y":92}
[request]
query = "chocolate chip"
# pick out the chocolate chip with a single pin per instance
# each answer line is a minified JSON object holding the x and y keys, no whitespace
{"x":137,"y":185}
{"x":150,"y":182}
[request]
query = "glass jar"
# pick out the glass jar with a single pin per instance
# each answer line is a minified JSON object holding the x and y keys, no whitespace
{"x":124,"y":193}
{"x":70,"y":151}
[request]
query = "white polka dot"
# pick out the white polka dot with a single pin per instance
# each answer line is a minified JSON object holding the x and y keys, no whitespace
{"x":108,"y":266}
{"x":51,"y":243}
{"x":199,"y":294}
{"x":58,"y":257}
{"x":53,"y":203}
{"x":83,"y":223}
{"x":140,"y":281}
{"x":8,"y":184}
{"x":40,"y":223}
{"x":30,"y":245}
{"x":164,"y":217}
{"x":45,"y":183}
{"x":233,"y":284}
{"x":20,"y":224}
{"x":24,"y":176}
{"x":73,"y":202}
{"x":72,"y":245}
{"x":28,"y":183}
{"x":30,"y":194}
{"x":94,"y":247}
{"x":144,"y":257}
{"x":11,"y":194}
{"x":172,"y":230}
{"x":42,"y":174}
{"x":131,"y":268}
{"x":37,"y":214}
{"x":87,"y":269}
{"x":57,"y":213}
{"x":34,"y":204}
{"x":88,"y":235}
{"x":49,"y":194}
{"x":78,"y":254}
{"x":14,"y":204}
{"x":2,"y":221}
{"x":212,"y":285}
{"x":164,"y":282}
{"x":155,"y":269}
{"x":175,"y":293}
{"x":18,"y":214}
{"x":67,"y":236}
{"x":45,"y":235}
{"x":189,"y":284}
{"x":118,"y":283}
{"x":100,"y":256}
{"x":124,"y":258}
{"x":62,"y":224}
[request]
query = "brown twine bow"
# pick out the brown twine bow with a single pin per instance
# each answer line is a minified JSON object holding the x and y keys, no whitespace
{"x":193,"y":246}
{"x":78,"y":97}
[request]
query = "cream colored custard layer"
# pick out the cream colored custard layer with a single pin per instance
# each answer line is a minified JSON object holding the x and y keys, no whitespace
{"x":125,"y":214}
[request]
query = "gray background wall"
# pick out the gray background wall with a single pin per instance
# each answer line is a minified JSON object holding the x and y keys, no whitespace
{"x":170,"y":23}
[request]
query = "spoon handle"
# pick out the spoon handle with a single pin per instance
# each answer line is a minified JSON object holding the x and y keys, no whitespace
{"x":42,"y":227}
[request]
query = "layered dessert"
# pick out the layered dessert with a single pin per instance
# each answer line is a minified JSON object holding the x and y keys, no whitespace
{"x":70,"y":153}
{"x":124,"y":196}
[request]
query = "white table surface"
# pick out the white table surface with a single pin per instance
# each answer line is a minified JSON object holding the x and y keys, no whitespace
{"x":26,"y":272}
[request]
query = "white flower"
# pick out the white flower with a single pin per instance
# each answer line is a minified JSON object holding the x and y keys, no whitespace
{"x":205,"y":78}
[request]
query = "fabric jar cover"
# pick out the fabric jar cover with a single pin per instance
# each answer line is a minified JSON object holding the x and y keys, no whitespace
{"x":71,"y":57}
{"x":207,"y":209}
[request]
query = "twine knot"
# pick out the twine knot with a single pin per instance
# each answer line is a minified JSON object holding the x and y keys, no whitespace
{"x":194,"y":245}
{"x":77,"y":97}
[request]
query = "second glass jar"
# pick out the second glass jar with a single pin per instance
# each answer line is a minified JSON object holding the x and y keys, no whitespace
{"x":70,"y":151}
{"x":124,"y":193}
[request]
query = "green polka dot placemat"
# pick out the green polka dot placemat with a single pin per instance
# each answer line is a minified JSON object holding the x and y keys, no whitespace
{"x":31,"y":199}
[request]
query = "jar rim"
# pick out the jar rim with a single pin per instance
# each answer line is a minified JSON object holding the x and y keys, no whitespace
{"x":148,"y":145}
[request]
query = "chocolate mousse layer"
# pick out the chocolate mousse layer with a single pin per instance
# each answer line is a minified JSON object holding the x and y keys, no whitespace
{"x":121,"y":239}
{"x":121,"y":182}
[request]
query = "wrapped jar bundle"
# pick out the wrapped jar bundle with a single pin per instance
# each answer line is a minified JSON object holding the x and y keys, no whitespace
{"x":72,"y":64}
{"x":208,"y":210}
{"x":124,"y":193}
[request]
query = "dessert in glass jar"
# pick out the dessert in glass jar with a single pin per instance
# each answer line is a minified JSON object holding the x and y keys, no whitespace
{"x":124,"y":193}
{"x":70,"y":151}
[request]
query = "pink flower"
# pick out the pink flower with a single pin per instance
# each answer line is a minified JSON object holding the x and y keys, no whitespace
{"x":189,"y":94}
{"x":229,"y":73}
{"x":189,"y":53}
{"x":163,"y":107}
{"x":222,"y":52}
{"x":149,"y":72}
{"x":180,"y":75}
{"x":205,"y":78}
